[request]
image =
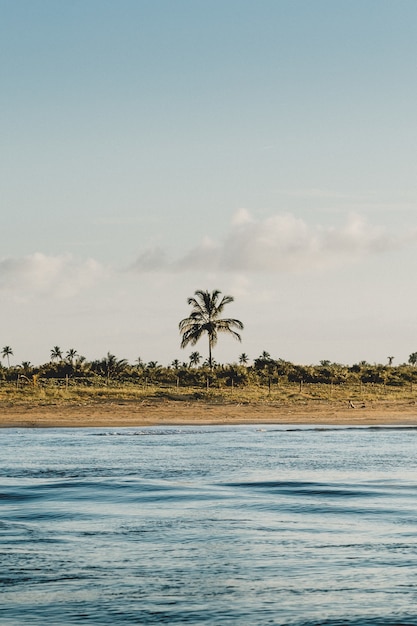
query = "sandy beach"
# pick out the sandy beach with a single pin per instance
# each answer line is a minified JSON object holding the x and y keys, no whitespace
{"x":166,"y":412}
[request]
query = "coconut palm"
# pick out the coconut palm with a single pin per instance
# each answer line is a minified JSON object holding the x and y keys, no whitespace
{"x":27,"y":368}
{"x":205,"y":318}
{"x":195,"y":358}
{"x":243,"y":358}
{"x":56,"y":353}
{"x":412,"y":359}
{"x":70,"y":356}
{"x":7,"y":352}
{"x":109,"y":366}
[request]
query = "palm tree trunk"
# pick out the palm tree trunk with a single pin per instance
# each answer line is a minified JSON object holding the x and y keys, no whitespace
{"x":210,"y":358}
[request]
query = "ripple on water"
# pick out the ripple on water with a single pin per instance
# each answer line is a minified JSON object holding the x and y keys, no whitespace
{"x":245,"y":525}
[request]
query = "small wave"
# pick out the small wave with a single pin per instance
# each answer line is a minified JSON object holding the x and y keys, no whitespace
{"x":307,"y":488}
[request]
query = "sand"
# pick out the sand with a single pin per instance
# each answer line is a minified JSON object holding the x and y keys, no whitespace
{"x":168,"y":412}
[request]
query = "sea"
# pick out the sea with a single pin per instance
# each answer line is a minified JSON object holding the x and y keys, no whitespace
{"x":211,"y":525}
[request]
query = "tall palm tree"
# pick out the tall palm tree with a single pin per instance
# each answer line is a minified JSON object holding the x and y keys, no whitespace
{"x":7,"y":352}
{"x":205,"y":318}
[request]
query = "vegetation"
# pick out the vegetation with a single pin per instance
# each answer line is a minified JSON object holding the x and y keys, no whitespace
{"x":74,"y":379}
{"x":205,"y":318}
{"x":266,"y":379}
{"x":6,"y":353}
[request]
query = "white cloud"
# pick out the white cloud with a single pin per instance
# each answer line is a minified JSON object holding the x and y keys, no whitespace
{"x":39,"y":274}
{"x":280,"y":243}
{"x":151,"y":260}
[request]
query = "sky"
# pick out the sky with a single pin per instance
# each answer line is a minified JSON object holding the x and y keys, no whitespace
{"x":267,"y":148}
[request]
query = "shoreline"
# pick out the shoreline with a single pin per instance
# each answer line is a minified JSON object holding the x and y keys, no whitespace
{"x":172,"y":413}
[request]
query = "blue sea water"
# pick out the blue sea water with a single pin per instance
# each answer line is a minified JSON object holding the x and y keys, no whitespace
{"x":211,"y":525}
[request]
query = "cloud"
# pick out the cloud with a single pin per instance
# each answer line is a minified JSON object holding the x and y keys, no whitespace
{"x":39,"y":274}
{"x":153,"y":259}
{"x":280,"y":243}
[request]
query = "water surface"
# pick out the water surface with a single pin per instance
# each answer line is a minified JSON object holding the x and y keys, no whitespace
{"x":208,"y":525}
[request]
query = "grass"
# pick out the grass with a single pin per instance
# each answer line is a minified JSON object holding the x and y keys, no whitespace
{"x":53,"y":392}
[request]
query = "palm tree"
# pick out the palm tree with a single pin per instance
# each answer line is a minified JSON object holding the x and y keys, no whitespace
{"x":27,"y":368}
{"x":205,"y":318}
{"x":195,"y":358}
{"x":70,"y":356}
{"x":243,"y":358}
{"x":7,"y":352}
{"x":412,"y":359}
{"x":56,"y":353}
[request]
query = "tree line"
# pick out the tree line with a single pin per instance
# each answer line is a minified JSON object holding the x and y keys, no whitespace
{"x":264,"y":370}
{"x":205,"y":320}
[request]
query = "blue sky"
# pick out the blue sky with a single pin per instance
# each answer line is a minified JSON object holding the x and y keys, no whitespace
{"x":152,"y":148}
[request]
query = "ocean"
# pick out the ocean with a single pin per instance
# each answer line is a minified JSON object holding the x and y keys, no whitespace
{"x":248,"y":525}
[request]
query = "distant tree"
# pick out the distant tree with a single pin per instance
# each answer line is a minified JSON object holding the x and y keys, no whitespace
{"x":205,"y":318}
{"x":263,"y":360}
{"x":195,"y":358}
{"x":206,"y":363}
{"x":56,"y":353}
{"x":243,"y":358}
{"x":26,"y":366}
{"x":412,"y":359}
{"x":176,"y":364}
{"x":81,"y":365}
{"x":390,"y":359}
{"x":265,"y":364}
{"x":70,"y":356}
{"x":110,"y":366}
{"x":6,"y":353}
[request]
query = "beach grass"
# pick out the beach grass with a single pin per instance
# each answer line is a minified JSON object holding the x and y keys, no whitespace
{"x":69,"y":392}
